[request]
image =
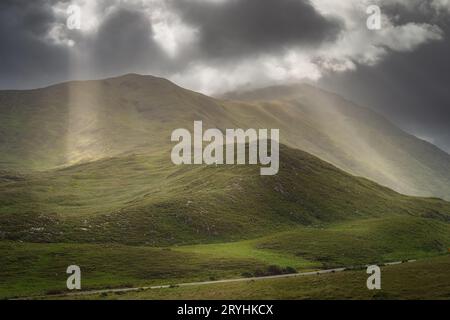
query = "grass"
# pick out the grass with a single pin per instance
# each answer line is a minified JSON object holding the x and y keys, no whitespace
{"x":427,"y":279}
{"x":36,"y":269}
{"x":346,"y":244}
{"x":130,"y":217}
{"x":138,"y":220}
{"x":145,"y":200}
{"x":364,"y":241}
{"x":60,"y":125}
{"x":249,"y":249}
{"x":353,"y":243}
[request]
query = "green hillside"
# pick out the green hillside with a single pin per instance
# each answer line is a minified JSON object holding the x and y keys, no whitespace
{"x":86,"y":178}
{"x":348,"y":244}
{"x":145,"y":199}
{"x":351,"y":137}
{"x":83,"y":121}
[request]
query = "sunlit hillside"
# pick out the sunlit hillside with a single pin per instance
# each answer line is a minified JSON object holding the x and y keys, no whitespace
{"x":84,"y":121}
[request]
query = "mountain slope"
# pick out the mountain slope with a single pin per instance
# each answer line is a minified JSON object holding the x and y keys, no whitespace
{"x":86,"y":178}
{"x":84,"y":121}
{"x":145,"y":199}
{"x":353,"y":138}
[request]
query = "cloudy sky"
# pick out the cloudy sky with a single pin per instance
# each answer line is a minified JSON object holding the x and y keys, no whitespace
{"x":213,"y":46}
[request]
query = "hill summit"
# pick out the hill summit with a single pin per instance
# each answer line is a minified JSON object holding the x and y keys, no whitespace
{"x":83,"y":121}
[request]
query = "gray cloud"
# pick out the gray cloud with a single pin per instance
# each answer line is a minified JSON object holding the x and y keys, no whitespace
{"x":26,"y":58}
{"x":124,"y":43}
{"x":402,"y":71}
{"x":35,"y":39}
{"x":410,"y":88}
{"x":233,"y":28}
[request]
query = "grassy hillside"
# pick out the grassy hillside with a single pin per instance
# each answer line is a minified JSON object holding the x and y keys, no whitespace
{"x":145,"y":199}
{"x":105,"y":266}
{"x":89,"y":120}
{"x":349,"y":244}
{"x":83,"y":121}
{"x":86,"y":178}
{"x":353,"y":138}
{"x":343,"y":244}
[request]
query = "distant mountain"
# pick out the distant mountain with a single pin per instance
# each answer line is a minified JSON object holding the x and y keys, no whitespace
{"x":354,"y":138}
{"x":85,"y":121}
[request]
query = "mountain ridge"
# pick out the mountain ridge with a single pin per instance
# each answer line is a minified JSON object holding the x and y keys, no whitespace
{"x":88,"y":120}
{"x":144,"y":199}
{"x":86,"y":178}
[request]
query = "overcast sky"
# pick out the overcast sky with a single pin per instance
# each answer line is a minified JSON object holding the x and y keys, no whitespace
{"x":213,"y":46}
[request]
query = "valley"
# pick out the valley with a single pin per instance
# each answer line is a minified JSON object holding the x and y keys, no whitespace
{"x":357,"y":243}
{"x":420,"y":280}
{"x":105,"y":195}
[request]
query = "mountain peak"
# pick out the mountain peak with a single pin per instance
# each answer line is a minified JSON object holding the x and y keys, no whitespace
{"x":139,"y":79}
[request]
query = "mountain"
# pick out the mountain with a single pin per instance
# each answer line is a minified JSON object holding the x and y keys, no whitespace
{"x":351,"y":137}
{"x":145,"y":199}
{"x":86,"y":177}
{"x":84,"y":121}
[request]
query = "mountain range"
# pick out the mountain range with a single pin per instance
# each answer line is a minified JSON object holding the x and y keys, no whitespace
{"x":86,"y":177}
{"x":77,"y":122}
{"x":90,"y":161}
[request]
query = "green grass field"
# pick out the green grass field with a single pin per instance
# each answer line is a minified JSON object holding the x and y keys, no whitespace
{"x":37,"y":269}
{"x":302,"y":248}
{"x":86,"y":179}
{"x":126,"y":227}
{"x":421,"y":280}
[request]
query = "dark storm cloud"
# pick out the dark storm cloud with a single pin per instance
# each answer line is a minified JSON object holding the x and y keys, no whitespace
{"x":245,"y":27}
{"x":29,"y":58}
{"x":25,"y":58}
{"x":409,"y":87}
{"x":412,"y":89}
{"x":124,"y":43}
